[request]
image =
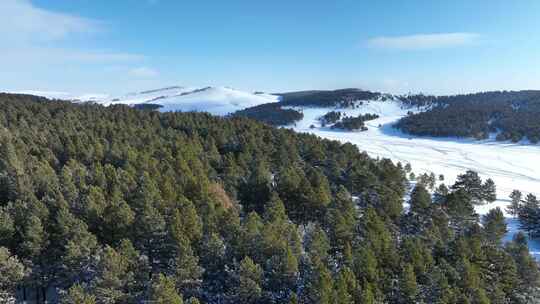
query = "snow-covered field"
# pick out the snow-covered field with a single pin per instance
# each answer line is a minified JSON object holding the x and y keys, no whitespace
{"x":511,"y":166}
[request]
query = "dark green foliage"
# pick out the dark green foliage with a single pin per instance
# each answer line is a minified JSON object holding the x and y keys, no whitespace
{"x":420,"y":200}
{"x":529,"y":215}
{"x":354,"y":123}
{"x":272,"y":114}
{"x":164,"y":292}
{"x":330,"y":118}
{"x":77,"y":295}
{"x":515,"y":205}
{"x":335,"y":98}
{"x":407,"y":285}
{"x":494,"y":225}
{"x":117,"y":205}
{"x":11,"y":274}
{"x":249,"y":288}
{"x":472,"y":184}
{"x":513,"y":114}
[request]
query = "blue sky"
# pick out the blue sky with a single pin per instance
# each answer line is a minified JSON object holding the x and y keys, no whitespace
{"x":441,"y":47}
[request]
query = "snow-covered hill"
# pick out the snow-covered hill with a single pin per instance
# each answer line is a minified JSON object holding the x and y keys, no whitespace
{"x":215,"y":100}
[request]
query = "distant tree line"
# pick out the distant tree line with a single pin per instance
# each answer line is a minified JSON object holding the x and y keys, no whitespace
{"x":513,"y":115}
{"x":272,"y":114}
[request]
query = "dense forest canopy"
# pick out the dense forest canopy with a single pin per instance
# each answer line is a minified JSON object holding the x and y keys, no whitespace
{"x":336,"y":98}
{"x":272,"y":114}
{"x":512,"y":115}
{"x":117,"y":205}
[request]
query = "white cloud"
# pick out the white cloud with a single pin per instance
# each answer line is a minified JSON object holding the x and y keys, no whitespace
{"x":144,"y":72}
{"x":423,"y":41}
{"x":24,"y":22}
{"x":40,"y":48}
{"x":34,"y":35}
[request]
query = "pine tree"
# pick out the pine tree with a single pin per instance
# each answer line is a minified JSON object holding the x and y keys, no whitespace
{"x":407,"y":284}
{"x":529,"y":215}
{"x":118,"y":274}
{"x":94,"y":208}
{"x":79,"y":248}
{"x":527,"y":267}
{"x":366,"y":265}
{"x":478,"y":191}
{"x":7,"y":227}
{"x":188,"y":272}
{"x":317,"y":244}
{"x":117,"y":219}
{"x":494,"y":226}
{"x":368,"y":294}
{"x":11,"y":274}
{"x":408,"y":168}
{"x":458,"y":205}
{"x":420,"y":200}
{"x":281,"y":247}
{"x":34,"y":237}
{"x":341,"y":219}
{"x":256,"y":191}
{"x":440,"y":194}
{"x":489,"y":191}
{"x":77,"y":295}
{"x":319,"y":288}
{"x":515,"y":205}
{"x":250,"y":275}
{"x":250,"y":237}
{"x":70,"y":191}
{"x":345,"y":287}
{"x":186,"y":224}
{"x":213,"y":260}
{"x":163,"y":291}
{"x":150,"y":231}
{"x":8,"y":187}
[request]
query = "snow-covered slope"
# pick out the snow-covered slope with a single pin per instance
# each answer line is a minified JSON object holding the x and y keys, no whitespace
{"x":215,"y":100}
{"x":510,"y":165}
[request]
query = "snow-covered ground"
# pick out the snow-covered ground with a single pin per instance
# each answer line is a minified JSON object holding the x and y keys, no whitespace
{"x":215,"y":100}
{"x":511,"y":166}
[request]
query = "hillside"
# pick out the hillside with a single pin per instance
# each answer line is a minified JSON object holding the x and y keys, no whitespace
{"x":115,"y":205}
{"x":508,"y":116}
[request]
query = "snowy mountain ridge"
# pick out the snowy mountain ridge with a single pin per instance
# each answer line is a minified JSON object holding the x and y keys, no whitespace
{"x":215,"y":100}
